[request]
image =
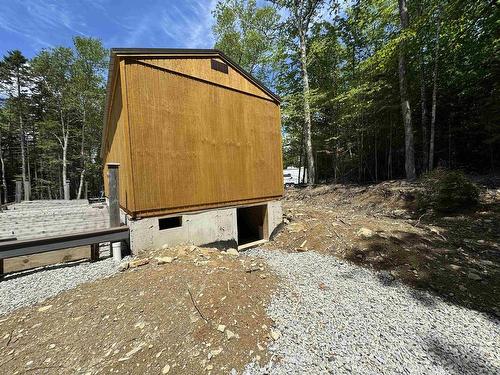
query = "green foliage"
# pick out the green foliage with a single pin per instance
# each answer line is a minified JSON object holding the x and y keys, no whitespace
{"x":247,"y":34}
{"x":447,"y":191}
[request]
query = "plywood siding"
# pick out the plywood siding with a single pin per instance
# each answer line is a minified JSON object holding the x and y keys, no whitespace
{"x":201,"y":68}
{"x":118,"y":143}
{"x":197,"y":145}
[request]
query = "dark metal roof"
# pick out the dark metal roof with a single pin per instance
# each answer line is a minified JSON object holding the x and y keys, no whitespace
{"x":172,"y":51}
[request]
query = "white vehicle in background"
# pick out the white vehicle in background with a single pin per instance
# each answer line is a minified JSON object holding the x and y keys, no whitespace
{"x":291,"y":176}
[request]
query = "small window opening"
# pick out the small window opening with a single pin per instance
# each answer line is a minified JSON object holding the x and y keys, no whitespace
{"x":250,"y":223}
{"x":219,"y":66}
{"x":170,"y":222}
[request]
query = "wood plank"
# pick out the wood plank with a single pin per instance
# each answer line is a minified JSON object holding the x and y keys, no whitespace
{"x":197,"y":145}
{"x":201,"y":68}
{"x":38,"y":260}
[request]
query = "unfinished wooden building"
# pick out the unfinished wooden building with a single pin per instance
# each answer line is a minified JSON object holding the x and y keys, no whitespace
{"x":198,"y":141}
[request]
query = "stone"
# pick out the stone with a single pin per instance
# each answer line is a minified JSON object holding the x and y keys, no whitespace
{"x":123,"y":266}
{"x":140,"y":325}
{"x":275,"y":334}
{"x":365,"y":233}
{"x":165,"y":369}
{"x":214,"y":353}
{"x":164,"y":260}
{"x":455,"y":267}
{"x":232,"y":251}
{"x":221,"y":328}
{"x":138,"y":263}
{"x":44,"y":308}
{"x":230,"y":334}
{"x":474,"y":276}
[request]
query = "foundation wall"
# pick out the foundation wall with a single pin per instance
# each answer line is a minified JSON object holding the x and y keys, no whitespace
{"x":216,"y":227}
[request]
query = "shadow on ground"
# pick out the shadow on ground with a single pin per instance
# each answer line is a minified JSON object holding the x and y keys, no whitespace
{"x":456,"y":257}
{"x":465,"y":361}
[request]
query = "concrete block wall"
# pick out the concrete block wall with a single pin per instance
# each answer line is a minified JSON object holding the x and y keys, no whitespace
{"x":217,"y":226}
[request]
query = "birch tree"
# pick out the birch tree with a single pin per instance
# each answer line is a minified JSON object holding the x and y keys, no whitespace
{"x":300,"y":16}
{"x":87,"y":87}
{"x":53,"y":69}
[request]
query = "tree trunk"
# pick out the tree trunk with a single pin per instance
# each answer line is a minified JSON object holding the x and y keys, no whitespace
{"x":82,"y":156}
{"x":64,"y":166}
{"x":425,"y":115}
{"x":405,"y":103}
{"x":434,"y":96}
{"x":4,"y":181}
{"x":311,"y":172}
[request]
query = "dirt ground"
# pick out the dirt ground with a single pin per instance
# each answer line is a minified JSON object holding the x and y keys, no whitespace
{"x":455,"y":256}
{"x":150,"y":319}
{"x":169,"y":318}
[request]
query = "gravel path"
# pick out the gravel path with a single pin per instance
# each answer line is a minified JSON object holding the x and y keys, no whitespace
{"x":29,"y":287}
{"x":337,"y":318}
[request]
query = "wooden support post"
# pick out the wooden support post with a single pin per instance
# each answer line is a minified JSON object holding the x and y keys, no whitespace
{"x":114,"y":205}
{"x":86,"y":190}
{"x":94,"y":252}
{"x":27,"y":190}
{"x":19,"y":188}
{"x":66,"y":190}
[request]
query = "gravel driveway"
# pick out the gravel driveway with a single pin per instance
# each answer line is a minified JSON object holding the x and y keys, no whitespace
{"x":30,"y":287}
{"x":337,"y":318}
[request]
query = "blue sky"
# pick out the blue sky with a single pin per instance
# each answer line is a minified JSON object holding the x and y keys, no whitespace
{"x":30,"y":25}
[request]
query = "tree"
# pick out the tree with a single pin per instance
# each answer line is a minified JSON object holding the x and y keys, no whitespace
{"x":53,"y":70}
{"x":301,"y":13}
{"x":403,"y":89}
{"x":434,"y":94}
{"x":88,"y":88}
{"x":14,"y":76}
{"x":247,"y":34}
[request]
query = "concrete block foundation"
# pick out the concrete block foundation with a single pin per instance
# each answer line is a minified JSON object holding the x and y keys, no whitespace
{"x":217,"y":227}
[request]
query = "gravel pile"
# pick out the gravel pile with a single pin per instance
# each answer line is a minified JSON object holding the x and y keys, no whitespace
{"x":336,"y":318}
{"x":30,"y":287}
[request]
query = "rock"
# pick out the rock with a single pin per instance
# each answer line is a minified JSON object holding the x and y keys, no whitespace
{"x":275,"y":334}
{"x":44,"y":308}
{"x":140,"y":325}
{"x":132,"y":352}
{"x":365,"y":233}
{"x":165,"y":369}
{"x":221,"y":328}
{"x":123,"y":266}
{"x":474,"y":276}
{"x":230,"y":334}
{"x":455,"y":267}
{"x":164,"y":260}
{"x":138,"y":263}
{"x":232,"y":252}
{"x":214,"y":353}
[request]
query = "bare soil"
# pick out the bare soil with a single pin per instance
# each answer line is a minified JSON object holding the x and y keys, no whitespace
{"x":455,"y":256}
{"x":148,"y":319}
{"x":164,"y":318}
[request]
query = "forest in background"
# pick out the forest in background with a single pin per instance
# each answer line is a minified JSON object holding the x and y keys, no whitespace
{"x":371,"y":90}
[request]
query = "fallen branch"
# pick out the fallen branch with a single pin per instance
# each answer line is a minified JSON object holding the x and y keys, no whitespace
{"x":196,"y":306}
